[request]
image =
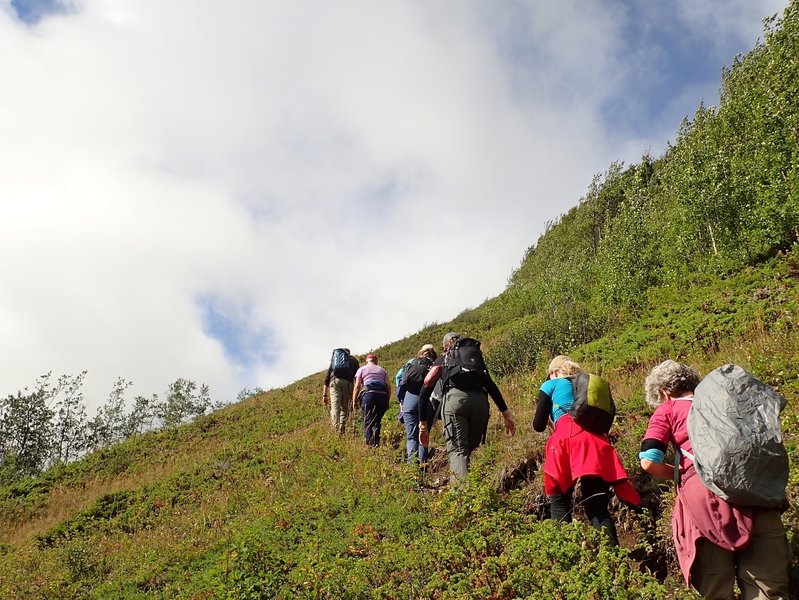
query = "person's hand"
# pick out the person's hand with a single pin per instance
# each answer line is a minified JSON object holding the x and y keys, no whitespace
{"x":510,"y":424}
{"x":424,"y":437}
{"x":325,"y":399}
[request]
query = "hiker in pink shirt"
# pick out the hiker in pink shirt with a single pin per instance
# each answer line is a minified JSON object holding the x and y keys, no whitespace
{"x":718,"y":544}
{"x":372,"y":390}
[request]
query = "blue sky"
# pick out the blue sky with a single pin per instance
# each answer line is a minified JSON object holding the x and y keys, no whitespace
{"x":33,"y":11}
{"x":225,"y":193}
{"x":243,"y":344}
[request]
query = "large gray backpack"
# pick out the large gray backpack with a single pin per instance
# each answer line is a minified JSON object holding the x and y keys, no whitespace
{"x":734,"y":428}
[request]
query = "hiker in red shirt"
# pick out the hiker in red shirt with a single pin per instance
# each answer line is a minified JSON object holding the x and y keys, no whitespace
{"x":573,"y":454}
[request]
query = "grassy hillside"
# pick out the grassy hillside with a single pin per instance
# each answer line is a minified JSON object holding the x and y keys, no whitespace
{"x":692,"y":255}
{"x":262,"y":499}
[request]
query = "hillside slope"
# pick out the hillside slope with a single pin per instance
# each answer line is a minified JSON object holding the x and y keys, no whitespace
{"x":262,"y":499}
{"x":692,"y":255}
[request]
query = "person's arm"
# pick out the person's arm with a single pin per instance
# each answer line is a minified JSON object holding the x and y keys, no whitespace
{"x":510,"y":424}
{"x":433,"y":375}
{"x":543,"y":409}
{"x":656,"y":441}
{"x":400,"y":386}
{"x":326,"y":386}
{"x":493,"y":391}
{"x":496,"y":396}
{"x":652,"y":456}
{"x":424,"y":433}
{"x":356,"y":390}
{"x":430,"y":380}
{"x":660,"y":470}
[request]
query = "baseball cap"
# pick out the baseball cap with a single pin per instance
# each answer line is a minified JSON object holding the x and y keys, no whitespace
{"x":427,"y":347}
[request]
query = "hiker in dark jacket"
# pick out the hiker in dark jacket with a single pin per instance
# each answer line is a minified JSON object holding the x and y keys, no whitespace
{"x":718,"y":544}
{"x":373,"y":391}
{"x":574,"y":454}
{"x":464,"y":412}
{"x":413,"y":412}
{"x":337,"y":392}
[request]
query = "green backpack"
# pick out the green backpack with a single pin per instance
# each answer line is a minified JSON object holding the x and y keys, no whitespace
{"x":593,"y":408}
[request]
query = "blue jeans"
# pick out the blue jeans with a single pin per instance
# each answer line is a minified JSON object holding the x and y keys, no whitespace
{"x":411,"y":414}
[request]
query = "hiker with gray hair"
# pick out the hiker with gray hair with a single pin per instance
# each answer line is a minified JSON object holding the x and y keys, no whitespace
{"x":464,"y":410}
{"x":718,"y":544}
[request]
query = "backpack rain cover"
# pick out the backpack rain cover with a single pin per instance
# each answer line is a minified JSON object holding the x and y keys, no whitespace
{"x":734,"y":428}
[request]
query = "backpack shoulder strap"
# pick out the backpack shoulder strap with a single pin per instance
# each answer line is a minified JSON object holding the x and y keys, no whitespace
{"x":678,"y":452}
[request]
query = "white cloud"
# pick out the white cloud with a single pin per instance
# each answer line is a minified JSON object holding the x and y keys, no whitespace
{"x":307,"y":166}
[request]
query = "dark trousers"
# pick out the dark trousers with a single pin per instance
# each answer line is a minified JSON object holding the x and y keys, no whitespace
{"x":373,"y":406}
{"x":465,"y":417}
{"x":596,"y":498}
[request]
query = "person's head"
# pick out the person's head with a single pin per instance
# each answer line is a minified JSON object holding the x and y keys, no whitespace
{"x":670,"y":379}
{"x":450,"y":339}
{"x":371,"y":357}
{"x":569,"y":368}
{"x":562,"y":366}
{"x":427,"y":351}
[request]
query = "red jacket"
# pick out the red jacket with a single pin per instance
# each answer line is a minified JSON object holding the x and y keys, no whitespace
{"x":573,"y":452}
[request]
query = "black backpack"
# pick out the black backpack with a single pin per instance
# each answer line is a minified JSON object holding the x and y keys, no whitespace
{"x":464,"y":365}
{"x":413,"y":374}
{"x":340,"y":363}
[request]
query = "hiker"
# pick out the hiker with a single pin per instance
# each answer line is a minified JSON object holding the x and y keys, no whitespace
{"x":718,"y":544}
{"x":573,"y":453}
{"x":412,"y":411}
{"x":373,"y":390}
{"x":464,"y":409}
{"x":337,"y":389}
